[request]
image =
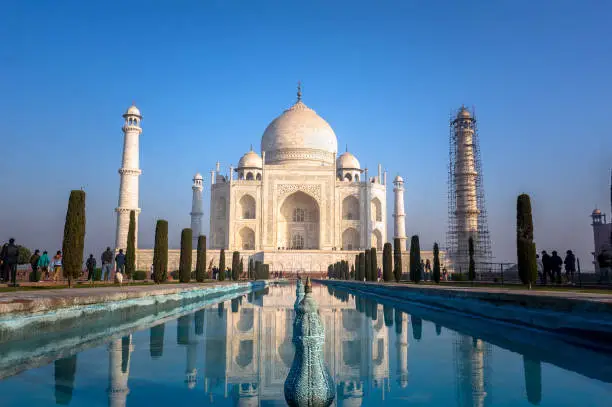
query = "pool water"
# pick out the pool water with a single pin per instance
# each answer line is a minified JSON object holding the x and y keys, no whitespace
{"x":239,"y":352}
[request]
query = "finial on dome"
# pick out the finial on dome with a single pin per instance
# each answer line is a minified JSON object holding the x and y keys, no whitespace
{"x":346,"y":150}
{"x":251,"y":147}
{"x":299,"y":91}
{"x":308,"y":286}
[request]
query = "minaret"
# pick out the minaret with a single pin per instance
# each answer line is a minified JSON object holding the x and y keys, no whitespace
{"x":465,"y":177}
{"x":196,"y":208}
{"x":119,"y":352}
{"x":399,"y":230}
{"x":129,"y":173}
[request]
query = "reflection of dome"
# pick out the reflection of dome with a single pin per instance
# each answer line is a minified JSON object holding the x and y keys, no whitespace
{"x":299,"y":134}
{"x":133,"y":111}
{"x":250,"y":160}
{"x":347,"y":161}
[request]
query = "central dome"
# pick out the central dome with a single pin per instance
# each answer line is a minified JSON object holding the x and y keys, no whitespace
{"x":299,"y":134}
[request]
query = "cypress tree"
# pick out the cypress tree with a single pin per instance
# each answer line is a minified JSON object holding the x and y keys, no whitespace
{"x":397,"y":259}
{"x":374,"y":264}
{"x":361,"y":274}
{"x":241,"y":268}
{"x":74,"y":236}
{"x":130,"y":252}
{"x":201,"y":259}
{"x":415,"y":259}
{"x":222,"y":265}
{"x":235,"y":265}
{"x":250,"y":270}
{"x":160,"y":253}
{"x":387,"y":262}
{"x":356,"y":275}
{"x":368,"y":265}
{"x":472,"y":264}
{"x":257,"y":270}
{"x":185,"y":259}
{"x":352,"y":272}
{"x":436,"y":265}
{"x":525,"y":248}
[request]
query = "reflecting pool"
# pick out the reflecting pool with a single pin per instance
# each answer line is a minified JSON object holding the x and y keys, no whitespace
{"x":239,"y":352}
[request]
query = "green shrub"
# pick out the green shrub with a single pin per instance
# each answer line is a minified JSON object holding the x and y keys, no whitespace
{"x":201,"y":259}
{"x":373,"y":264}
{"x":436,"y":265}
{"x":472,"y":264}
{"x":175,"y":274}
{"x":35,"y":276}
{"x":387,"y":262}
{"x":222,"y":265}
{"x":235,"y":265}
{"x":97,"y":275}
{"x":415,"y":259}
{"x":368,"y":265}
{"x":361,"y":271}
{"x":140,"y":275}
{"x":74,"y":236}
{"x":185,"y":259}
{"x":397,"y":259}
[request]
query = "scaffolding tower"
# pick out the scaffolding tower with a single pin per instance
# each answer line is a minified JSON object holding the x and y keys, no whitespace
{"x":467,"y":213}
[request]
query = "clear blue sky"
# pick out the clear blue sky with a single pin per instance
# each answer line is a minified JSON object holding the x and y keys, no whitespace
{"x":210,"y":75}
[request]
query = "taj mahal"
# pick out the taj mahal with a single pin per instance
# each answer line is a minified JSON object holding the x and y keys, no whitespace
{"x":298,"y":206}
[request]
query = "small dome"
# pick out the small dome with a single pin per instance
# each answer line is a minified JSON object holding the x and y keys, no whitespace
{"x":132,"y":111}
{"x":464,"y":113}
{"x":398,"y":179}
{"x":347,"y":161}
{"x":596,"y":211}
{"x":250,"y":160}
{"x":197,"y":176}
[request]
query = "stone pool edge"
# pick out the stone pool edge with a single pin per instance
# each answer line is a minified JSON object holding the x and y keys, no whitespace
{"x":28,"y":303}
{"x":568,"y":316}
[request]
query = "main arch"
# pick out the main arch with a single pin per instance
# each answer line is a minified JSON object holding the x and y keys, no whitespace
{"x":299,"y":222}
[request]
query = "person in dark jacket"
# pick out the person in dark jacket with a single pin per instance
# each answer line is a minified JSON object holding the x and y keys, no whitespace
{"x":91,"y":267}
{"x":120,"y":260}
{"x":556,"y":263}
{"x":546,"y":267}
{"x":107,"y":264}
{"x":570,"y":265}
{"x":11,"y":257}
{"x":34,"y":262}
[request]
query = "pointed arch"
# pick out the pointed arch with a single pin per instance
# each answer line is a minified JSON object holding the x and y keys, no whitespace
{"x":376,"y":210}
{"x":247,"y":207}
{"x":350,"y":239}
{"x":350,"y":208}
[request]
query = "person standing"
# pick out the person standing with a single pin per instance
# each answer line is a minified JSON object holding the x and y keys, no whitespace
{"x":428,"y":269}
{"x":56,"y":263}
{"x":546,"y":267}
{"x":11,"y":257}
{"x":556,"y":262}
{"x":570,"y":265}
{"x":91,"y":267}
{"x":34,"y":264}
{"x":107,"y":264}
{"x":43,"y":264}
{"x":120,"y":260}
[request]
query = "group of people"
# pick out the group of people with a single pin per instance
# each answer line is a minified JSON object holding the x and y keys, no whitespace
{"x":550,"y":265}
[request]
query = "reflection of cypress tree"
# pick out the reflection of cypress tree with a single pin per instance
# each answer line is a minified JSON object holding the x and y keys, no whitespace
{"x":220,"y":309}
{"x":65,"y":370}
{"x":156,"y":341}
{"x":533,"y":380}
{"x":374,"y":310}
{"x":438,"y":330}
{"x":125,"y":354}
{"x":358,"y":305}
{"x":199,"y":322}
{"x":235,"y":305}
{"x":417,"y":327}
{"x":398,"y":321}
{"x":388,"y":312}
{"x":368,"y":308}
{"x":182,"y":330}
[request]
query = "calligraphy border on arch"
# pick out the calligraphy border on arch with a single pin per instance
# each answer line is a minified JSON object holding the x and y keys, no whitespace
{"x":313,"y":190}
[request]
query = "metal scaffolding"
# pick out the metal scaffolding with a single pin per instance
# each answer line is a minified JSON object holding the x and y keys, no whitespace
{"x":467,"y":213}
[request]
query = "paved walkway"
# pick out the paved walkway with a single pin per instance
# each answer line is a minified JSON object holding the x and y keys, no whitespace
{"x":29,"y":301}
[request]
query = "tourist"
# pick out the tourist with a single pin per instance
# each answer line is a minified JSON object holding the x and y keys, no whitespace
{"x":91,"y":267}
{"x":546,"y":267}
{"x":540,"y":268}
{"x":10,"y":257}
{"x":43,"y":264}
{"x":427,"y":269}
{"x":604,"y":258}
{"x":56,"y":263}
{"x":120,"y":260}
{"x":444,"y":274}
{"x":107,"y":264}
{"x":556,"y":262}
{"x":152,"y":272}
{"x":34,"y":262}
{"x":570,"y":266}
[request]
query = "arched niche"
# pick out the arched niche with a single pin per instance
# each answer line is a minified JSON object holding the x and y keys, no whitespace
{"x":247,"y":238}
{"x":376,"y":209}
{"x":298,"y":222}
{"x":377,"y":239}
{"x":220,"y":208}
{"x":350,"y":208}
{"x":246,"y":207}
{"x":350,"y":239}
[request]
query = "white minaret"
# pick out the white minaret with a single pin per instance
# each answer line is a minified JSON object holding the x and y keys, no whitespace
{"x":119,"y":370}
{"x":196,"y":208}
{"x":399,"y":230}
{"x":129,"y":173}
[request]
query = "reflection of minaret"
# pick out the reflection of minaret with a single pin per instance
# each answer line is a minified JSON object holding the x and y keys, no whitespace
{"x":402,"y":347}
{"x":471,"y":363}
{"x":186,"y":337}
{"x":65,"y":370}
{"x":119,"y":352}
{"x":380,"y":346}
